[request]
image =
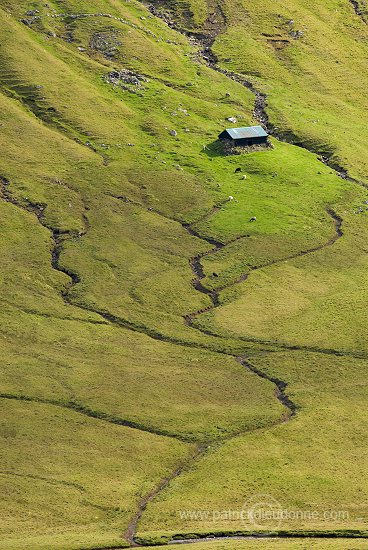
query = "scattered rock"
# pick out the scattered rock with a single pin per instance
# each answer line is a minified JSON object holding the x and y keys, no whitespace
{"x":215,"y":274}
{"x":131,"y":144}
{"x":296,"y":34}
{"x":105,"y":43}
{"x":244,"y":177}
{"x":124,"y":76}
{"x":253,"y":219}
{"x":237,"y":170}
{"x":227,"y":94}
{"x":173,"y":133}
{"x":232,"y":119}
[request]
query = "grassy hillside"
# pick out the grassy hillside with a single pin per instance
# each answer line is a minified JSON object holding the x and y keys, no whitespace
{"x":294,"y":464}
{"x":125,"y":394}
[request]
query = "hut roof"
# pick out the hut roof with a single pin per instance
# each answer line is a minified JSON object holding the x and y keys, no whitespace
{"x":246,"y":132}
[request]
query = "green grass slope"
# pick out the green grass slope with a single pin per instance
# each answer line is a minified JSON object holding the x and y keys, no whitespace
{"x":111,"y":185}
{"x":294,"y":466}
{"x":309,"y":59}
{"x":69,"y":481}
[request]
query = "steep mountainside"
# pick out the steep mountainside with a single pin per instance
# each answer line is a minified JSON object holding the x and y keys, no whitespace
{"x":161,"y":353}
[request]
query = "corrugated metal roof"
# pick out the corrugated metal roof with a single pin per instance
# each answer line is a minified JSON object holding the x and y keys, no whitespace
{"x":246,"y":132}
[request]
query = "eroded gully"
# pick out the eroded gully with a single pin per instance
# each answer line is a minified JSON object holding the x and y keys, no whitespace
{"x":58,"y":239}
{"x":358,"y":10}
{"x":204,"y":43}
